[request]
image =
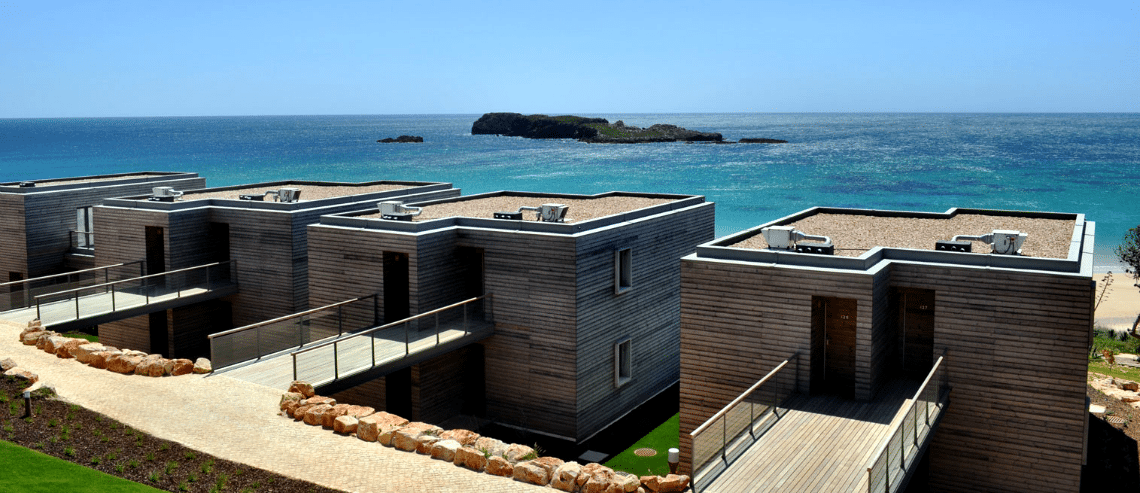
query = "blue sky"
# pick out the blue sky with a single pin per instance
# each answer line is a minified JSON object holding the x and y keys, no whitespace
{"x":147,"y":58}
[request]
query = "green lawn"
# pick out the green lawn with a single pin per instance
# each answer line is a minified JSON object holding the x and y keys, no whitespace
{"x":82,"y":335}
{"x":660,"y":439}
{"x":25,"y":470}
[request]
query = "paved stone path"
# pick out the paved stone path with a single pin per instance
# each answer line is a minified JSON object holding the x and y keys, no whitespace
{"x":237,"y":420}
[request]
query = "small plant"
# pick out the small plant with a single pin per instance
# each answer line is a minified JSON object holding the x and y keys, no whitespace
{"x":39,"y":445}
{"x":220,"y":484}
{"x":96,"y":460}
{"x":150,"y":456}
{"x":98,"y":419}
{"x":207,"y":467}
{"x":8,"y":428}
{"x":191,"y":478}
{"x":113,"y":455}
{"x":119,"y":469}
{"x":486,"y":453}
{"x":153,"y":477}
{"x":53,"y":423}
{"x":29,"y":420}
{"x":189,"y":456}
{"x":164,"y":446}
{"x":182,"y":486}
{"x":133,"y":464}
{"x":53,"y":439}
{"x":170,"y":467}
{"x":65,"y":433}
{"x":69,"y":451}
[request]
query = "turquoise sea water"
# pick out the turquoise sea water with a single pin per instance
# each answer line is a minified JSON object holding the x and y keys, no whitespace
{"x":1085,"y":163}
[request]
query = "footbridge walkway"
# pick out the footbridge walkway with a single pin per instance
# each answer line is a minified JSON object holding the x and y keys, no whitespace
{"x":341,"y":345}
{"x":73,"y":300}
{"x":774,"y":439}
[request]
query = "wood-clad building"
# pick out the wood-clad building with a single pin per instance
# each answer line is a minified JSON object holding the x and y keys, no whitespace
{"x":586,"y":310}
{"x":1016,"y":329}
{"x":265,"y":239}
{"x":39,"y":219}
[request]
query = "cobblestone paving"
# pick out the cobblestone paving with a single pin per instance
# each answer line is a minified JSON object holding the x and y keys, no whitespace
{"x":238,"y":421}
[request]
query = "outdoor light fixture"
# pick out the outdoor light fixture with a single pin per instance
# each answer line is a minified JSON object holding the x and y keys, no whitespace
{"x":27,"y":404}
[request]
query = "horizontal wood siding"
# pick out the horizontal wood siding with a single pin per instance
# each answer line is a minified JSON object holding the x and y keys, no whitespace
{"x":346,"y":263}
{"x":530,"y":361}
{"x":438,"y":386}
{"x":1017,"y":362}
{"x":13,"y":242}
{"x":189,"y":326}
{"x":648,"y":313}
{"x":131,"y":333}
{"x":370,"y":393}
{"x":122,"y":234}
{"x":739,"y":320}
{"x":261,"y":243}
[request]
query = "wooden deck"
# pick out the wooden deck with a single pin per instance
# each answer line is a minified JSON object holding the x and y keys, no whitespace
{"x":819,"y":444}
{"x":374,"y":354}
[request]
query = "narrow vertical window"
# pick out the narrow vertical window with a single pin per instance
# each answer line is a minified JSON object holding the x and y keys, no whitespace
{"x":623,"y":270}
{"x":623,"y":363}
{"x":84,"y":227}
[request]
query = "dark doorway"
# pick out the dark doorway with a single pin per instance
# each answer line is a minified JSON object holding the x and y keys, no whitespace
{"x":470,"y":271}
{"x":916,"y":326}
{"x":833,"y":345}
{"x":159,"y":338}
{"x":155,"y":255}
{"x":398,"y":393}
{"x":474,"y":391}
{"x":397,"y":302}
{"x":218,"y":242}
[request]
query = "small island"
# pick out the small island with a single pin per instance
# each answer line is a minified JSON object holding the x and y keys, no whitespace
{"x":592,"y":130}
{"x":403,"y":139}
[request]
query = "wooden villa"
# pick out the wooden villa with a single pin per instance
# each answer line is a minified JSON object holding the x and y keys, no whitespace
{"x":585,"y":301}
{"x":253,"y":236}
{"x":46,"y":226}
{"x":858,"y":350}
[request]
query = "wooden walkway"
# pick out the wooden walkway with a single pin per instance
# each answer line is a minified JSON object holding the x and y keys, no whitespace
{"x":381,"y":350}
{"x":820,"y":444}
{"x":103,"y":307}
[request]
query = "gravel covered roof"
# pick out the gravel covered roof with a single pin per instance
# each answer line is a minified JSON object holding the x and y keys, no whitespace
{"x":854,"y":234}
{"x":308,"y":192}
{"x":581,"y":209}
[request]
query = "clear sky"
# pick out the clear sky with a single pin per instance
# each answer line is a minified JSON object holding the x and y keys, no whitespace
{"x":160,"y":58}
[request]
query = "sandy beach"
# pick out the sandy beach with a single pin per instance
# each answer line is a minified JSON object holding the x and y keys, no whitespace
{"x":1120,"y":305}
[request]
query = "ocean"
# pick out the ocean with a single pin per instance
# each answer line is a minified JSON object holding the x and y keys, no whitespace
{"x":1082,"y":163}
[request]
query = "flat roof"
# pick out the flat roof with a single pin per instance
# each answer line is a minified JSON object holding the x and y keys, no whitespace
{"x":855,"y":233}
{"x":52,"y":182}
{"x":309,"y":190}
{"x":581,"y":208}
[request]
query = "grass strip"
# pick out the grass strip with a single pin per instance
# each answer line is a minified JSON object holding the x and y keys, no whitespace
{"x":661,"y":439}
{"x":26,"y":470}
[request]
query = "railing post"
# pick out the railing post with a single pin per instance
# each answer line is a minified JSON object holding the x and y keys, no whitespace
{"x":373,"y":338}
{"x":340,"y":320}
{"x":436,"y":328}
{"x":257,"y":340}
{"x":77,"y":305}
{"x":407,"y":347}
{"x":724,"y":439}
{"x":464,"y":319}
{"x":294,"y":367}
{"x":209,"y":285}
{"x":336,"y":362}
{"x":887,"y":471}
{"x":300,"y":334}
{"x":113,"y":306}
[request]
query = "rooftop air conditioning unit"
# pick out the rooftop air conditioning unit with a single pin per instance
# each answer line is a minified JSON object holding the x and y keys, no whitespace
{"x":164,"y":194}
{"x":288,"y":194}
{"x":394,"y":210}
{"x":1004,"y":242}
{"x":788,"y":238}
{"x":551,"y":213}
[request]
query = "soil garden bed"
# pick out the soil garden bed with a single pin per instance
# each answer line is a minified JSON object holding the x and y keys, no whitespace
{"x":87,"y":438}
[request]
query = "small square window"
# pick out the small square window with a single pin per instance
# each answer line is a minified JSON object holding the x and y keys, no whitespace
{"x":623,"y":363}
{"x":623,"y":270}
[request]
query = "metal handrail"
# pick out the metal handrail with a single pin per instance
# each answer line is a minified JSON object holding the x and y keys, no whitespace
{"x":741,"y":397}
{"x":884,"y":448}
{"x":722,"y":417}
{"x":407,"y":345}
{"x":387,"y":325}
{"x":34,"y":279}
{"x":286,"y":317}
{"x":148,"y":276}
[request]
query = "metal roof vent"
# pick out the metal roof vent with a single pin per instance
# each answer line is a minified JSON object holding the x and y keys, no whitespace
{"x":394,"y":210}
{"x":164,"y":194}
{"x":788,"y":238}
{"x":1004,"y":242}
{"x":280,"y":195}
{"x":27,"y":184}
